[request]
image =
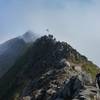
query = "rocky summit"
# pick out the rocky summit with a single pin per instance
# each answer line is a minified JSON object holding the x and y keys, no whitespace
{"x":50,"y":70}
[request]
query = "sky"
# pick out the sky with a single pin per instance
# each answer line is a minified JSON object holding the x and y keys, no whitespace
{"x":74,"y":21}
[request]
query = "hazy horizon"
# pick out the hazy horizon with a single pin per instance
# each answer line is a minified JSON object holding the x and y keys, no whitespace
{"x":74,"y":21}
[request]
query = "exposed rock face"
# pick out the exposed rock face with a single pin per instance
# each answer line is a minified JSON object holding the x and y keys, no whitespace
{"x":71,"y":89}
{"x":55,"y":85}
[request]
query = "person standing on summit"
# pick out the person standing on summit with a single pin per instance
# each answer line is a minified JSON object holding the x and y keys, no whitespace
{"x":98,"y":79}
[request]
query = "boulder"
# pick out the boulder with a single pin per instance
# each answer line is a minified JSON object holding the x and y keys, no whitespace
{"x":70,"y":89}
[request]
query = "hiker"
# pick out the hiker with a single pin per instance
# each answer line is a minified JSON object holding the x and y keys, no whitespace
{"x":98,"y":79}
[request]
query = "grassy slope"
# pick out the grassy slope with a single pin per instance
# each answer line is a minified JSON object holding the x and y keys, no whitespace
{"x":91,"y":68}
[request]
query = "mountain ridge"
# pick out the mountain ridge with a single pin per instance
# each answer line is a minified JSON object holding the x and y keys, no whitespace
{"x":46,"y":54}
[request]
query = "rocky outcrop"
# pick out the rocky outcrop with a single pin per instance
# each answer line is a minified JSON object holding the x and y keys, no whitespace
{"x":61,"y":85}
{"x":71,"y":89}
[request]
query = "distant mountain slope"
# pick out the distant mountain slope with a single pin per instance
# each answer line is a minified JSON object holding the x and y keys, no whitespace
{"x":45,"y":61}
{"x":11,"y":50}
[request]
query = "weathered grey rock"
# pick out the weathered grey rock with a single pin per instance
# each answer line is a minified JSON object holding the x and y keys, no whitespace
{"x":88,"y":93}
{"x":87,"y":78}
{"x":65,"y":62}
{"x":70,"y":89}
{"x":51,"y":91}
{"x":41,"y":95}
{"x":64,"y":84}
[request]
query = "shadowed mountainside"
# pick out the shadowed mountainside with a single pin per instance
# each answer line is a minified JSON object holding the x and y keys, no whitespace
{"x":13,"y":49}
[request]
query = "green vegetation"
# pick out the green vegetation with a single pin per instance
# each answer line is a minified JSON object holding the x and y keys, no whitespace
{"x":91,"y":68}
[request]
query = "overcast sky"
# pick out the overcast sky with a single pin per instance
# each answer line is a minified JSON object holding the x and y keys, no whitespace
{"x":74,"y":21}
